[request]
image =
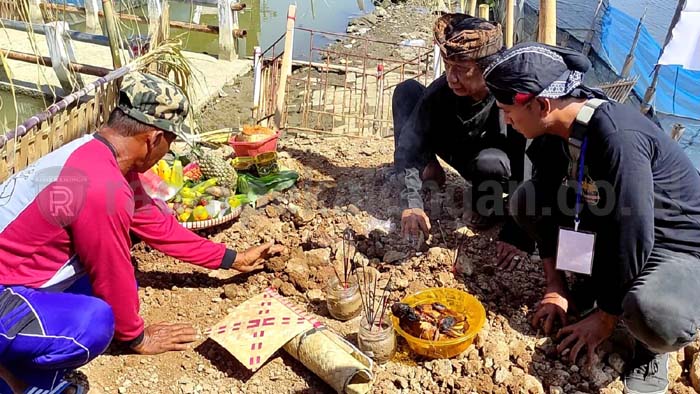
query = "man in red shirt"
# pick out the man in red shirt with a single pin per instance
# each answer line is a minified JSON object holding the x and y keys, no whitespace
{"x":67,"y":285}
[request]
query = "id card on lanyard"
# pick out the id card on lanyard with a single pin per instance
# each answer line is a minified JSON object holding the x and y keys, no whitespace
{"x":575,"y":248}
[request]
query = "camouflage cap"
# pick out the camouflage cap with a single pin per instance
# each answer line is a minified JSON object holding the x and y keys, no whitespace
{"x":156,"y":102}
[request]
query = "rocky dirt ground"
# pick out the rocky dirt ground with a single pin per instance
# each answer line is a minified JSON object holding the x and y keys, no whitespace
{"x":345,"y":183}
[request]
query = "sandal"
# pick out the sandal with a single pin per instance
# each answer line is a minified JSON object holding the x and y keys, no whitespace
{"x":60,"y":388}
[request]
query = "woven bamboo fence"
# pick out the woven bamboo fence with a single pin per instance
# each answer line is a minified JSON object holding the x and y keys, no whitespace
{"x":65,"y":126}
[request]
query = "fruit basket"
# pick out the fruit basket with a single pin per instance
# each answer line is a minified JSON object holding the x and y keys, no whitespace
{"x":456,"y":300}
{"x":201,"y":194}
{"x":201,"y":184}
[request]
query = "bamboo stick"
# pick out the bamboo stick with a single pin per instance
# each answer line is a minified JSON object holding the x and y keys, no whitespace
{"x":46,"y":61}
{"x":112,"y":33}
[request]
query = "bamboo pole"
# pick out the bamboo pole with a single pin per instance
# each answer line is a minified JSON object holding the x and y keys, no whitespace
{"x":651,"y":90}
{"x":591,"y":31}
{"x":510,"y":22}
{"x":629,"y":60}
{"x":484,"y":11}
{"x":548,"y":22}
{"x":286,"y":69}
{"x":112,"y":33}
{"x":472,"y":7}
{"x":46,"y":61}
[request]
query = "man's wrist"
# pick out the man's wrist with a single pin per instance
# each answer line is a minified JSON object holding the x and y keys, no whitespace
{"x":136,"y":341}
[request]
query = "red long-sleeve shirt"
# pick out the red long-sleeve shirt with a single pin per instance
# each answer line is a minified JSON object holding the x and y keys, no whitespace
{"x":71,"y":213}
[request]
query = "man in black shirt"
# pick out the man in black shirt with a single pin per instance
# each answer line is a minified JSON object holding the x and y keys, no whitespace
{"x":456,"y":119}
{"x":602,"y":167}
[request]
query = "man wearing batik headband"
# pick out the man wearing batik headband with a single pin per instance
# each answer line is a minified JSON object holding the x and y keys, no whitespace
{"x":456,"y":119}
{"x":612,"y":198}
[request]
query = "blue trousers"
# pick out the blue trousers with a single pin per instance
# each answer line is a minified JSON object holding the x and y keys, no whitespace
{"x":44,"y":335}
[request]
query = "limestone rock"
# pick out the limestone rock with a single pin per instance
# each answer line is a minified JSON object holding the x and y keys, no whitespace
{"x":315,"y":295}
{"x":532,"y":385}
{"x":674,"y":368}
{"x":393,"y":256}
{"x":498,"y":351}
{"x":695,"y":372}
{"x":318,"y":257}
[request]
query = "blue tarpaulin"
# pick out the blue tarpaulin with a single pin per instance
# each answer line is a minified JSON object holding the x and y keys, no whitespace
{"x":677,"y":89}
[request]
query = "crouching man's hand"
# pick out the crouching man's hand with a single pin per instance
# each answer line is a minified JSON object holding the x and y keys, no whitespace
{"x":413,"y":222}
{"x":254,"y":258}
{"x":165,"y":337}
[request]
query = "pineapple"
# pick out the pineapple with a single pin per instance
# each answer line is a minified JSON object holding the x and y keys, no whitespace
{"x":214,"y":166}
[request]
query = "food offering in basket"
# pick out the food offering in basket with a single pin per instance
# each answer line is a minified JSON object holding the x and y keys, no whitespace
{"x":206,"y":185}
{"x":438,"y":322}
{"x":254,"y":140}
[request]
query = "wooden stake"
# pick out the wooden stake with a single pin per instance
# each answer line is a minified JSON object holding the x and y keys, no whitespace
{"x":548,"y":22}
{"x":510,"y":23}
{"x":226,"y":47}
{"x":235,"y":26}
{"x":92,"y":17}
{"x":484,"y":11}
{"x":110,"y":24}
{"x":286,"y":66}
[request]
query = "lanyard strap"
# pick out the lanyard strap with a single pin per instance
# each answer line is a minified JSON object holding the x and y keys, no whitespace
{"x":579,"y":185}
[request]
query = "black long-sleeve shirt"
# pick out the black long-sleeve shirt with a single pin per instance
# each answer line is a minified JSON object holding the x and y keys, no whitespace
{"x":443,"y":121}
{"x":649,"y":196}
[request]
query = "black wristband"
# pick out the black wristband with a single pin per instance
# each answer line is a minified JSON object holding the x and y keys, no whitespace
{"x":136,"y":341}
{"x":229,"y":258}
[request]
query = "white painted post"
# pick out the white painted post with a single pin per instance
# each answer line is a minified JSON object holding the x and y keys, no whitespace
{"x":257,"y":64}
{"x":155,"y":11}
{"x":61,"y":52}
{"x":437,"y":62}
{"x":92,"y":18}
{"x":197,"y":14}
{"x":235,"y":27}
{"x":226,"y":46}
{"x":35,"y":15}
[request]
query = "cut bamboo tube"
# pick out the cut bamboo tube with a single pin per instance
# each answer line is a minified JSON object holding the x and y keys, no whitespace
{"x":484,"y":11}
